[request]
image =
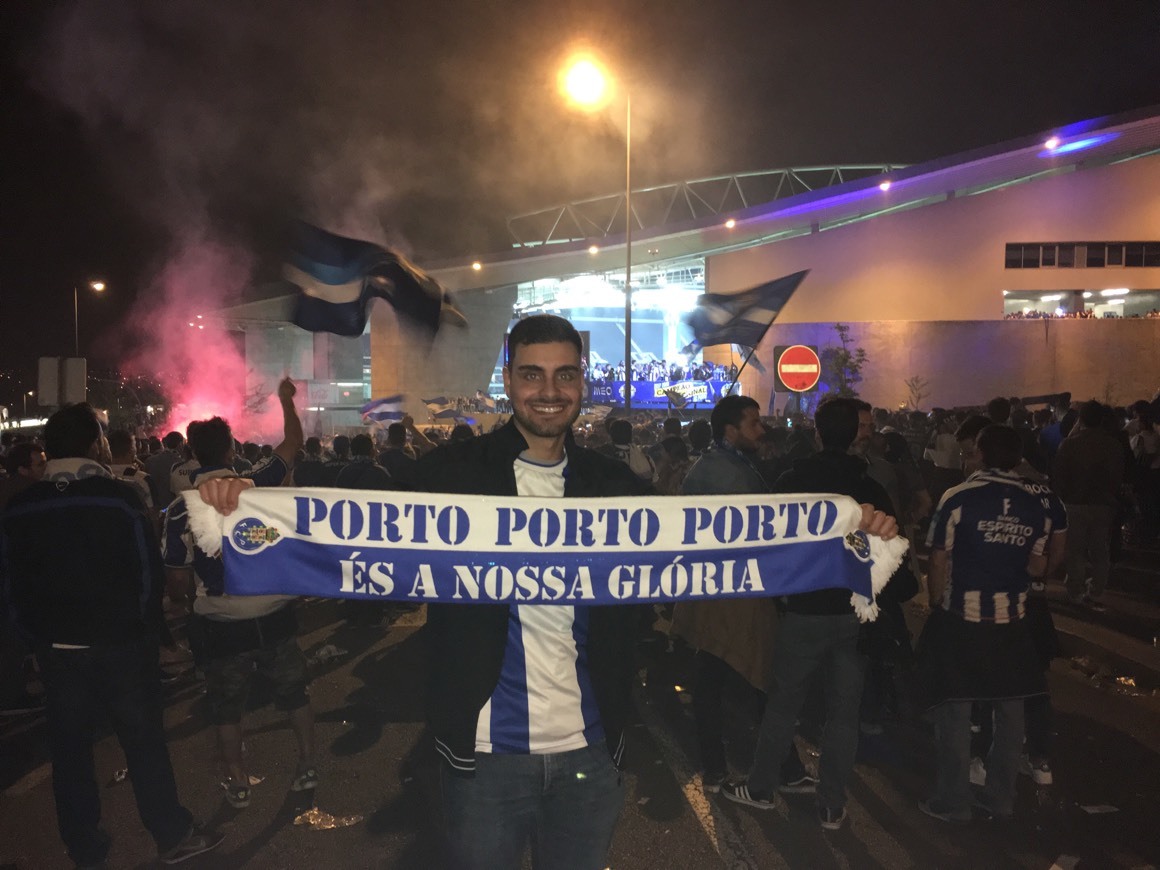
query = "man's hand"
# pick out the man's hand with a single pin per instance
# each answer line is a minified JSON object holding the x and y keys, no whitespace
{"x":286,"y":389}
{"x":878,"y":523}
{"x":222,"y":493}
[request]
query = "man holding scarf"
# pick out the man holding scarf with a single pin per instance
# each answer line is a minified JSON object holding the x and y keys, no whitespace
{"x":528,"y":705}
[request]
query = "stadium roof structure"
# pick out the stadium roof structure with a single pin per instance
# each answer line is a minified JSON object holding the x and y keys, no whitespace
{"x":548,"y":243}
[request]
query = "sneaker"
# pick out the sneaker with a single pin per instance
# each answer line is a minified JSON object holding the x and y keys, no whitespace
{"x":981,"y":811}
{"x":196,"y":842}
{"x":739,"y":792}
{"x":804,"y":784}
{"x":711,"y":782}
{"x":237,"y":794}
{"x":22,"y":705}
{"x":1038,"y":769}
{"x":978,"y":772}
{"x":936,"y":811}
{"x":830,"y":818}
{"x":306,"y":780}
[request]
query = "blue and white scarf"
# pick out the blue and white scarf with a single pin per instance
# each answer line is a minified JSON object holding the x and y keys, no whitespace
{"x":461,"y":549}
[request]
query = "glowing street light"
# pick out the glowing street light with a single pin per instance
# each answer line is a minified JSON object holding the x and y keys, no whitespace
{"x":99,"y":287}
{"x":25,"y":397}
{"x":587,"y":85}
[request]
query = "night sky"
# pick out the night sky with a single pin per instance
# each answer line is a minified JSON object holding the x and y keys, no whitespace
{"x":137,"y":136}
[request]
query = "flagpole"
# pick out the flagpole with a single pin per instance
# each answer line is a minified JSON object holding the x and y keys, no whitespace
{"x":627,"y":252}
{"x":744,"y":363}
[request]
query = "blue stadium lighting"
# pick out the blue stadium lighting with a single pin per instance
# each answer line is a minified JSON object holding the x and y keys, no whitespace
{"x":1079,"y":144}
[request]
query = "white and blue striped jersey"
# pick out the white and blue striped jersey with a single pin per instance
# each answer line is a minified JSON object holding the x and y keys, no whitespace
{"x":543,"y":702}
{"x":990,"y":526}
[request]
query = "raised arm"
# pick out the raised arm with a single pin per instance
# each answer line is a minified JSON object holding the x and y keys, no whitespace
{"x":292,"y":436}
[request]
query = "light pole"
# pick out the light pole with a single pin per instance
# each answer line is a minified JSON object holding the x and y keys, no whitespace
{"x":26,"y":395}
{"x":587,"y":85}
{"x":98,"y":286}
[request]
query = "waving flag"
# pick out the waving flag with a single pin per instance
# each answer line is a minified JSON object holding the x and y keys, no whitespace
{"x":442,"y":408}
{"x":389,"y":408}
{"x":337,"y":278}
{"x":740,"y":318}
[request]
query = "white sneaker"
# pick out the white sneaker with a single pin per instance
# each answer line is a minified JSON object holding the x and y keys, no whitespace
{"x":1038,"y":769}
{"x":978,"y":772}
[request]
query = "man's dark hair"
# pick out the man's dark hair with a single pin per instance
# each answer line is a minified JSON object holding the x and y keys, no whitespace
{"x":173,"y":441}
{"x":674,"y":447}
{"x":542,"y":329}
{"x":313,"y":446}
{"x":341,"y":446}
{"x":71,"y":432}
{"x":728,"y":412}
{"x":970,"y":428}
{"x":863,"y":406}
{"x":1000,"y":446}
{"x":671,"y":426}
{"x":154,"y":444}
{"x":20,"y":456}
{"x":620,"y":431}
{"x":462,"y":432}
{"x":211,"y":441}
{"x":836,"y":422}
{"x":251,"y":451}
{"x":1091,"y":414}
{"x":700,"y":434}
{"x":397,"y":435}
{"x":999,"y":410}
{"x":120,"y":442}
{"x":362,"y":445}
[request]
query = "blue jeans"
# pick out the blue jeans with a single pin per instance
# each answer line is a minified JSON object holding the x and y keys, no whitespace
{"x":122,"y":682}
{"x":806,"y":645}
{"x":952,"y":732}
{"x":565,"y":805}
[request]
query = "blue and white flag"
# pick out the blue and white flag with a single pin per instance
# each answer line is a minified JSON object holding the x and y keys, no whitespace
{"x":459,"y":549}
{"x":337,"y":278}
{"x":389,"y":408}
{"x":442,"y":408}
{"x":739,"y":318}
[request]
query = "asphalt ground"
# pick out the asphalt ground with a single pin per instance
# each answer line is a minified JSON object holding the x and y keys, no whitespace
{"x":377,"y":803}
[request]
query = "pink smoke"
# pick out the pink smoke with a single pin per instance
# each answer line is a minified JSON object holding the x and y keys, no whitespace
{"x":201,"y":367}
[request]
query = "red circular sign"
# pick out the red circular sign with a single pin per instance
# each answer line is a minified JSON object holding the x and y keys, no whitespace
{"x":799,"y":368}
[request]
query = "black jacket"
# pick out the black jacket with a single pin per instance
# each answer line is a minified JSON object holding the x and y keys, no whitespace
{"x":842,"y":474}
{"x":81,"y":562}
{"x":467,"y":641}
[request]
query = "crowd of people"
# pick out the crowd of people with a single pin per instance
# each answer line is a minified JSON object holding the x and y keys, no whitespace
{"x":1006,"y":499}
{"x":658,"y":370}
{"x":1086,"y":314}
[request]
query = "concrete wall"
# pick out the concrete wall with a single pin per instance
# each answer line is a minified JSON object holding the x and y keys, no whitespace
{"x":945,"y":261}
{"x":967,"y":363}
{"x":457,"y":363}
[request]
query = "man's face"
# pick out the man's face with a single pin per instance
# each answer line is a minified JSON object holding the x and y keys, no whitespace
{"x":544,"y":384}
{"x":865,"y":430}
{"x":36,"y":465}
{"x":972,"y":457}
{"x":746,"y":435}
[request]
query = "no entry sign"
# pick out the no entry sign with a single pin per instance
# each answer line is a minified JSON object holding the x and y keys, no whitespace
{"x":798,"y":368}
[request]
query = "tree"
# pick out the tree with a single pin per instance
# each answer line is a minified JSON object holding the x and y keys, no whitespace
{"x":843,"y":365}
{"x":917,"y":387}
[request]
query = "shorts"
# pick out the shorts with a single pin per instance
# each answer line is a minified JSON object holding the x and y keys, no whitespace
{"x":228,"y":680}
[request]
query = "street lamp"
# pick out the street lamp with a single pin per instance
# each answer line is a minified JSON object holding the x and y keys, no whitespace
{"x":26,"y":395}
{"x":587,"y":85}
{"x":98,"y":286}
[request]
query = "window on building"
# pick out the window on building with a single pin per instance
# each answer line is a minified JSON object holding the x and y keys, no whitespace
{"x":1134,"y":254}
{"x":1014,"y":257}
{"x":1092,"y":255}
{"x":1151,"y":254}
{"x":1095,"y":255}
{"x":1031,"y":256}
{"x":1047,"y":258}
{"x":1115,"y":255}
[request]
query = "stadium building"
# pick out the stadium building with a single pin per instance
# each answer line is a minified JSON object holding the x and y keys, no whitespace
{"x":1029,"y":267}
